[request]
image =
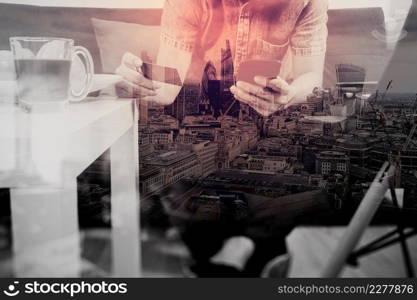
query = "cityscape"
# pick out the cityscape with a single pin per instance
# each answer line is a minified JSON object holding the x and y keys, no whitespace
{"x":104,"y":175}
{"x":206,"y":150}
{"x":208,"y":159}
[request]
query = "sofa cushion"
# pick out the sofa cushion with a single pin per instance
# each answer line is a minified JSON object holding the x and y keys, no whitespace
{"x":115,"y":38}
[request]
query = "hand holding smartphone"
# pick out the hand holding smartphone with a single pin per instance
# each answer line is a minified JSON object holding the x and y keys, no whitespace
{"x":249,"y":69}
{"x":259,"y":86}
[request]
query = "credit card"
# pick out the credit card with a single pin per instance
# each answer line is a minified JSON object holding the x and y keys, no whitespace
{"x":161,"y":74}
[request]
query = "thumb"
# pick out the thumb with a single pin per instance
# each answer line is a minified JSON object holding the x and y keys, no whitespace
{"x":132,"y":61}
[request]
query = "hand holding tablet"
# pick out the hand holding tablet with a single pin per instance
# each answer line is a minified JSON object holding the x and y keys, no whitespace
{"x":147,"y":81}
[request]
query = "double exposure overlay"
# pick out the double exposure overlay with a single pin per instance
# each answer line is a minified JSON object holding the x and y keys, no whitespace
{"x":208,"y":138}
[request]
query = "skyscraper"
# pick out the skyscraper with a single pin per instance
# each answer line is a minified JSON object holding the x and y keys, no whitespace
{"x":227,"y":69}
{"x":229,"y":104}
{"x":210,"y":91}
{"x":350,"y":80}
{"x":143,"y":112}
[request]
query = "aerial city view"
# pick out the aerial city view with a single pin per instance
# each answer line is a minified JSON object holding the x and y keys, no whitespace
{"x":209,"y":159}
{"x":212,"y":138}
{"x":206,"y":139}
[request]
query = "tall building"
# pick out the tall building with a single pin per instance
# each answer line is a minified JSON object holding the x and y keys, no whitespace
{"x":192,"y":95}
{"x":227,"y":69}
{"x":178,"y":107}
{"x":229,"y":104}
{"x":350,"y":79}
{"x":330,"y":162}
{"x":210,"y":100}
{"x":143,"y":112}
{"x":215,"y":98}
{"x":169,"y":110}
{"x":186,"y":103}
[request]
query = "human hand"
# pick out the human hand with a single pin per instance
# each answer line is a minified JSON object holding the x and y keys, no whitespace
{"x":135,"y":84}
{"x":267,"y":97}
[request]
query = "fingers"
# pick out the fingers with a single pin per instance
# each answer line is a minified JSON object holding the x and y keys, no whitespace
{"x":131,"y":71}
{"x":132,"y":61}
{"x":135,"y":77}
{"x":127,"y":89}
{"x":280,"y":84}
{"x":255,"y":90}
{"x":276,"y":84}
{"x":263,"y":107}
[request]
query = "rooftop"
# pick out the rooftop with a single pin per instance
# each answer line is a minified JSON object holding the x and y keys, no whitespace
{"x":168,"y":158}
{"x":240,"y":177}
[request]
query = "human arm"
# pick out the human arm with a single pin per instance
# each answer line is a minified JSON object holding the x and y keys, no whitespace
{"x":179,"y":32}
{"x":308,"y":46}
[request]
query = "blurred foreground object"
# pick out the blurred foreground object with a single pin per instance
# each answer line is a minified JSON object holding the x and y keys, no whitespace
{"x":7,"y":78}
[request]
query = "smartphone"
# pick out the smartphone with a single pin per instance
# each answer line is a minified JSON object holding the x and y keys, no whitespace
{"x":251,"y":68}
{"x":161,"y":74}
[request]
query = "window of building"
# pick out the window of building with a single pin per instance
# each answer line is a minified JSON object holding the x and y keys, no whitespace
{"x":341,"y":167}
{"x":326,"y":167}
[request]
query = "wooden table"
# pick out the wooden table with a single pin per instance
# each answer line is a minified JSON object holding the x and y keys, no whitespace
{"x":41,"y":155}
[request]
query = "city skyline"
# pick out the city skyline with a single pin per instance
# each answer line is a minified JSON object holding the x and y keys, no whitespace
{"x":337,"y":131}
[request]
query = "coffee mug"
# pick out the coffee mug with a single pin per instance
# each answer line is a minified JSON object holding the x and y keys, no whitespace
{"x":43,"y":67}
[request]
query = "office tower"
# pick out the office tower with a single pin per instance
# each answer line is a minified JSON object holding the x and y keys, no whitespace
{"x":229,"y":106}
{"x":350,"y":80}
{"x":210,"y":100}
{"x":215,"y":98}
{"x":178,"y":110}
{"x":227,"y":69}
{"x":192,"y":99}
{"x":143,"y":112}
{"x":169,"y":110}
